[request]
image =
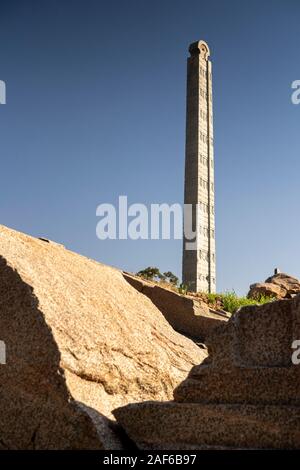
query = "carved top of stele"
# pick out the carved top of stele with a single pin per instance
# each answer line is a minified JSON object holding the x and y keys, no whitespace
{"x":200,"y":48}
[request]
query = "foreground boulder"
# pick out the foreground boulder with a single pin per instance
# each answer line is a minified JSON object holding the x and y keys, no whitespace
{"x":278,"y":286}
{"x":187,"y":315}
{"x":246,"y":394}
{"x":80,"y":341}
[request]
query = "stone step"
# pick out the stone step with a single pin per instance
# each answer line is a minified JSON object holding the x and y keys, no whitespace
{"x":267,"y":385}
{"x":170,"y":425}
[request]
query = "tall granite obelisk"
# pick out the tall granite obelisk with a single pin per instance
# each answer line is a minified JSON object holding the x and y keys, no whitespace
{"x":199,"y":259}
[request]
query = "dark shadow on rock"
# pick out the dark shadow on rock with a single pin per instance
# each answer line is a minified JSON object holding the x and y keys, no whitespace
{"x":109,"y":431}
{"x":36,"y":408}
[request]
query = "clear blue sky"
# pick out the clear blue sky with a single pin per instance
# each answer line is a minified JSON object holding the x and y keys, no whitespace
{"x":96,"y":108}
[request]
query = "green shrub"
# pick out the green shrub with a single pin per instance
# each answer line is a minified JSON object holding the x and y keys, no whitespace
{"x":170,"y":277}
{"x":182,"y":289}
{"x":151,"y":273}
{"x":231,"y":302}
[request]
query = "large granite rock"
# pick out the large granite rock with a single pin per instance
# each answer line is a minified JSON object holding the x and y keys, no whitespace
{"x":246,"y":394}
{"x":279,"y":286}
{"x":289,"y":283}
{"x":186,"y":314}
{"x":80,"y":341}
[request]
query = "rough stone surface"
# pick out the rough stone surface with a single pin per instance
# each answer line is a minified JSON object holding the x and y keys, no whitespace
{"x":246,"y":394}
{"x":186,"y":314}
{"x":279,"y":286}
{"x":291,"y":284}
{"x":173,"y":426}
{"x":80,"y":341}
{"x":267,"y":289}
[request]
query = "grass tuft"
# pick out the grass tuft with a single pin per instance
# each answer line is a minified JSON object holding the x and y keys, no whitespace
{"x":230,"y":302}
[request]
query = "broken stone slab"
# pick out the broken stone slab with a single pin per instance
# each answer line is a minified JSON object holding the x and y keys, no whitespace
{"x":186,"y":314}
{"x":246,"y":394}
{"x":249,"y":358}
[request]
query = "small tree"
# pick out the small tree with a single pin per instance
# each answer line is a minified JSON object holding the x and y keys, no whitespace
{"x":171,"y":278}
{"x":152,"y":274}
